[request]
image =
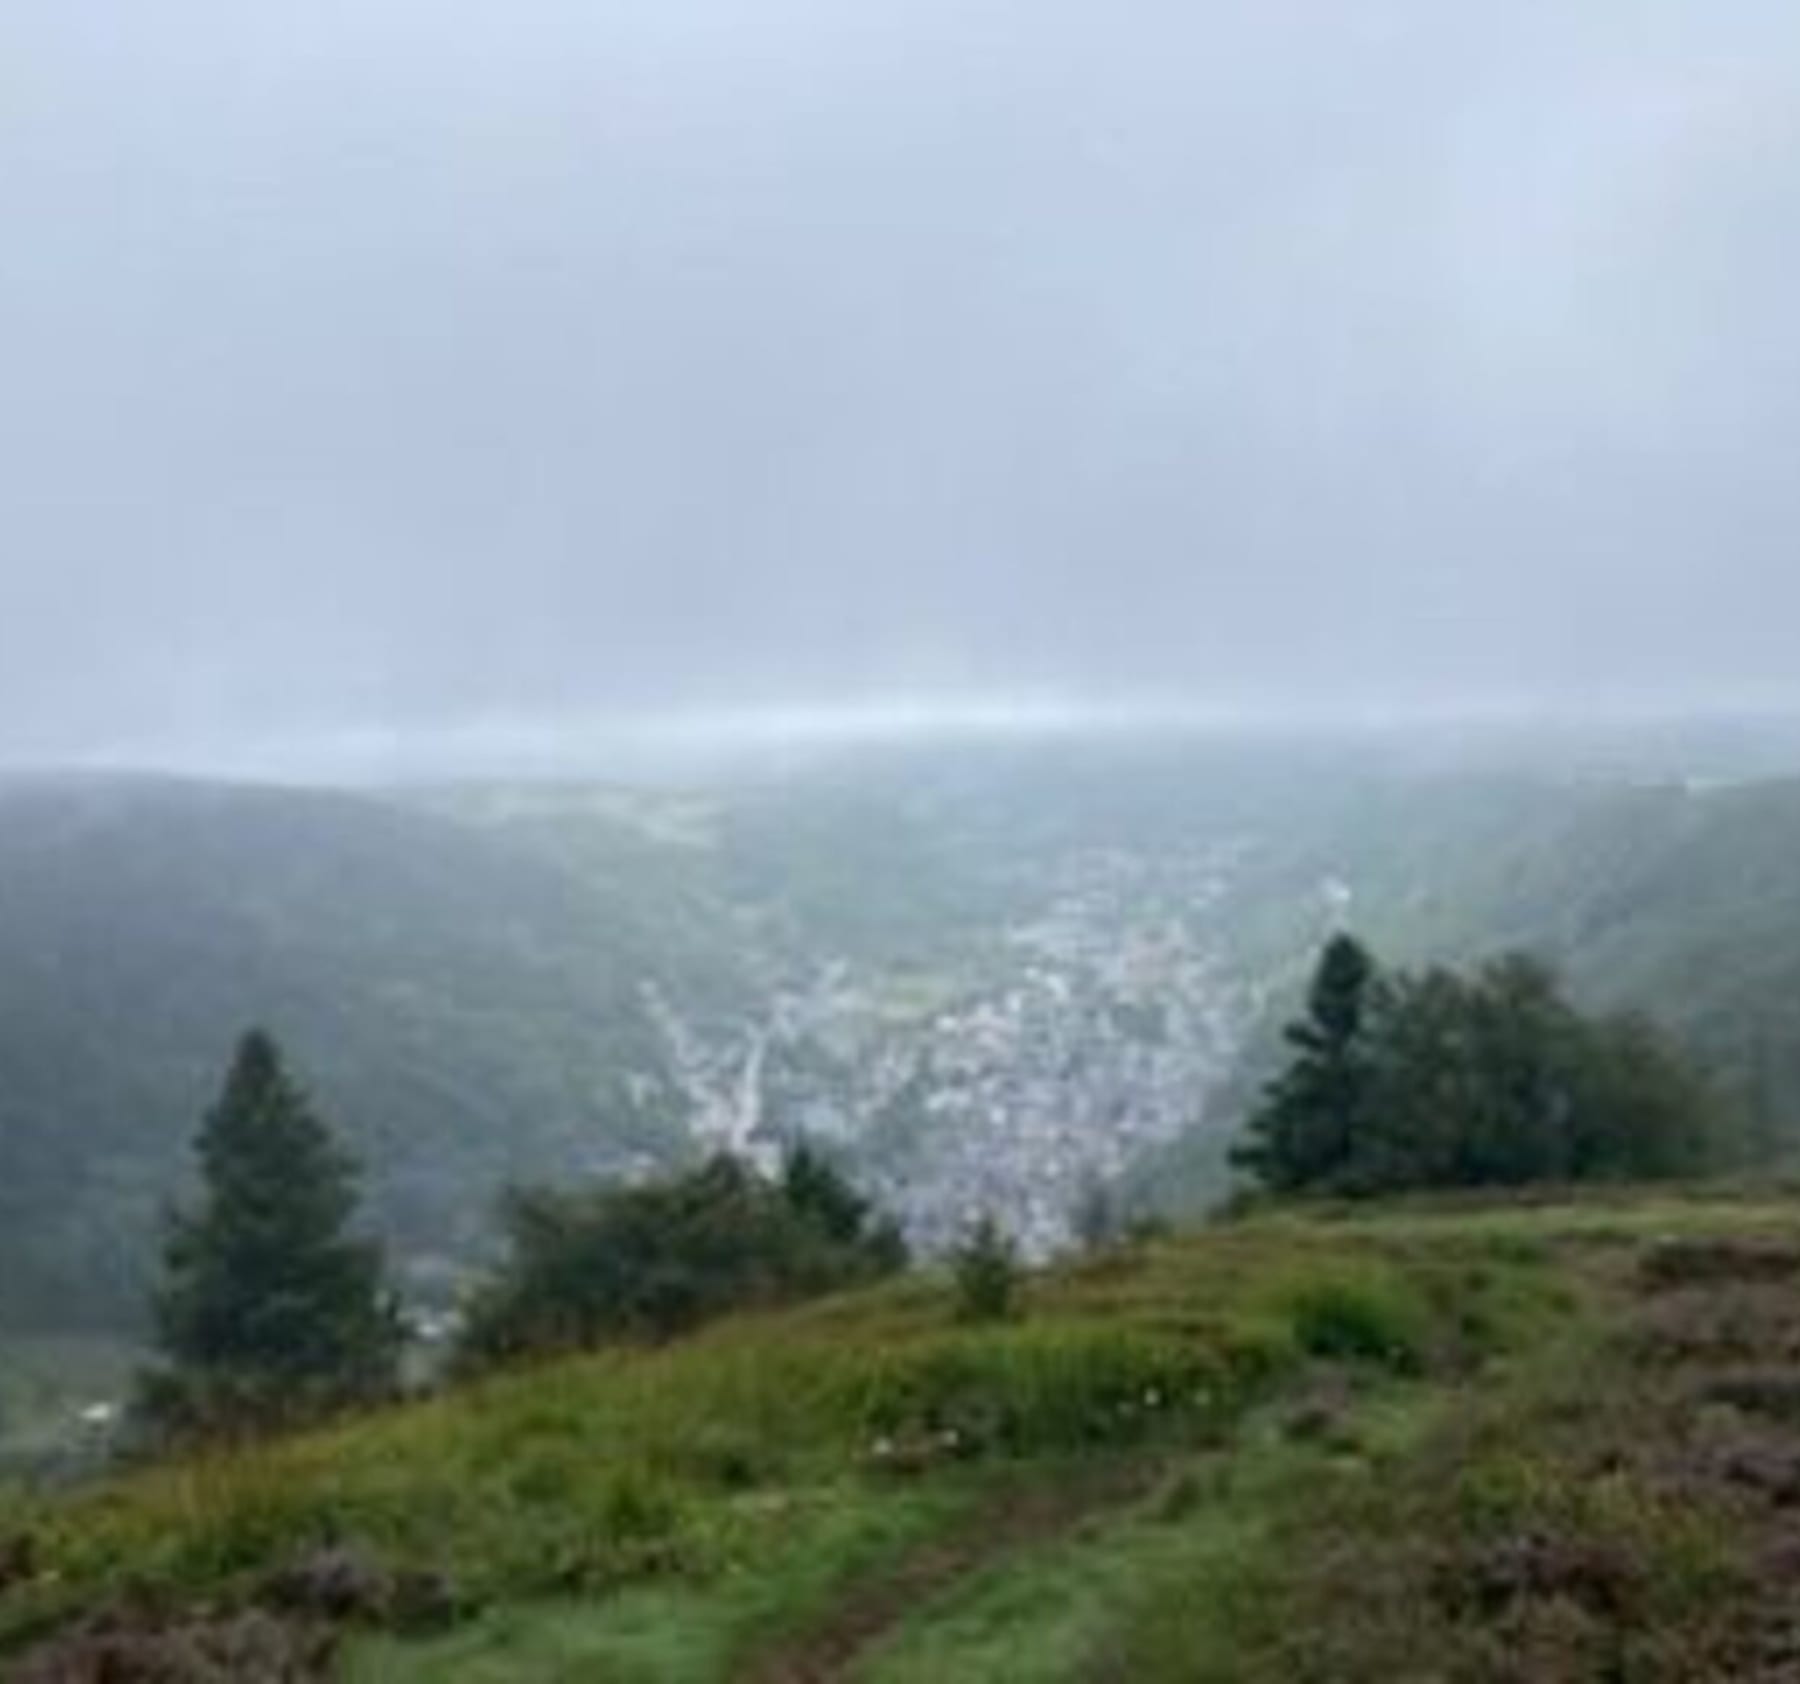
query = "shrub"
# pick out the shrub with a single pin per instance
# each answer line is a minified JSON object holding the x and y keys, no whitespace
{"x":1359,"y":1320}
{"x":656,"y":1260}
{"x":987,"y":1274}
{"x":1027,"y":1389}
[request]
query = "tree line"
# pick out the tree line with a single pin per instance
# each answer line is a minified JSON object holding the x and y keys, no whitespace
{"x":1400,"y":1080}
{"x":272,"y":1310}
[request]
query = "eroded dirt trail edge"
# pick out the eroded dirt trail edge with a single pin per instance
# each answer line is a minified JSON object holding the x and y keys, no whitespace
{"x":1018,"y":1518}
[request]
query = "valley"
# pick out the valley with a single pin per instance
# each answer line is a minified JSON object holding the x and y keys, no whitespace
{"x":990,"y":978}
{"x":999,"y":984}
{"x":1058,"y":1051}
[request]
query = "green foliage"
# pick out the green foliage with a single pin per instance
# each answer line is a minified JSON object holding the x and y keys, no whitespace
{"x":1302,"y":1133}
{"x":657,"y":1259}
{"x":1360,"y":1319}
{"x":1444,"y":1080}
{"x":702,"y":1454}
{"x":987,"y":1273}
{"x":268,"y":1311}
{"x":823,"y":1201}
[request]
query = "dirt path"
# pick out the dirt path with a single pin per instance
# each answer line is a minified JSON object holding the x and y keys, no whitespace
{"x":1010,"y":1521}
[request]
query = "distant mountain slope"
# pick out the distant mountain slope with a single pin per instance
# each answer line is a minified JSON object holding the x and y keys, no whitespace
{"x":465,"y":1010}
{"x":1681,"y":900}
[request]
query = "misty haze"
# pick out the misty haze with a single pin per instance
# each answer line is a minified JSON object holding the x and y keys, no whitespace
{"x":899,"y":842}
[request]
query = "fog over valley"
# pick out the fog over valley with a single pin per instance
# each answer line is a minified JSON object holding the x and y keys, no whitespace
{"x":715,"y":577}
{"x":926,"y":841}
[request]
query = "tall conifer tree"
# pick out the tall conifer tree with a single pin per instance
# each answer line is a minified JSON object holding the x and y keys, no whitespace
{"x":269,"y":1309}
{"x":1303,"y":1133}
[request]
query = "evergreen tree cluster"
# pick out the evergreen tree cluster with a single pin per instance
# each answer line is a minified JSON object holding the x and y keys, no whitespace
{"x":1441,"y":1079}
{"x":654,"y":1260}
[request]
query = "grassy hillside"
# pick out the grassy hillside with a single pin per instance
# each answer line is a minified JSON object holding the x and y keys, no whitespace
{"x":1300,"y":1447}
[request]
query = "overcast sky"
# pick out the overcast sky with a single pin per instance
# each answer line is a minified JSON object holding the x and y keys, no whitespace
{"x":403,"y":367}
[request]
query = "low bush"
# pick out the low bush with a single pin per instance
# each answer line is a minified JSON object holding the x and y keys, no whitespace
{"x":986,"y":1266}
{"x":659,"y":1259}
{"x":1359,"y":1321}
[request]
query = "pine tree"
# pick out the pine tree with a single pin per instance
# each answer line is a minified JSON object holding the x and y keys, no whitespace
{"x":269,"y":1310}
{"x":1303,"y":1132}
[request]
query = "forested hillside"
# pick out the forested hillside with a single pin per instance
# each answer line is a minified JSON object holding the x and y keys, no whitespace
{"x":467,"y":1013}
